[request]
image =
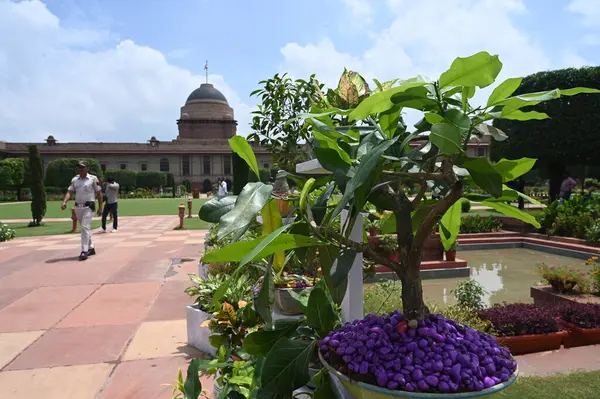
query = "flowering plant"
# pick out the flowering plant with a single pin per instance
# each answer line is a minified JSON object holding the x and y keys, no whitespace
{"x":564,"y":279}
{"x":595,"y":273}
{"x":295,"y":280}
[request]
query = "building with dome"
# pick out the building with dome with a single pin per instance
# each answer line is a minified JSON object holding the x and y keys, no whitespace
{"x":199,"y":154}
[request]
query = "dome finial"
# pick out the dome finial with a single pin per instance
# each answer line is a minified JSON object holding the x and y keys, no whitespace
{"x":206,"y":70}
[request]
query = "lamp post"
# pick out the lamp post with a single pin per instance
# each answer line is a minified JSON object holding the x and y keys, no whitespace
{"x":181,"y":215}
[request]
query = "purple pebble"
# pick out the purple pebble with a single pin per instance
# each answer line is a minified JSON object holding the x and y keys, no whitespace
{"x":431,"y":381}
{"x":392,"y":385}
{"x":400,"y":378}
{"x":364,"y":368}
{"x":382,"y":379}
{"x":423,"y":386}
{"x":488,"y":382}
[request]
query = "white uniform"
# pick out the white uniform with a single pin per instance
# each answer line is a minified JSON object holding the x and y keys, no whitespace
{"x":85,"y":190}
{"x":222,"y":189}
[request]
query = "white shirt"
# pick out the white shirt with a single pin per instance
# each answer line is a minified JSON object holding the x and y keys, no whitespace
{"x":223,"y":189}
{"x":85,"y":189}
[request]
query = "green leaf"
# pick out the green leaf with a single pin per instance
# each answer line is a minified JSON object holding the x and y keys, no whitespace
{"x":305,"y":191}
{"x":271,"y":222}
{"x":578,"y":90}
{"x":236,"y":251}
{"x":458,"y":119}
{"x":319,"y":312}
{"x":364,"y":170}
{"x":479,"y":70}
{"x":301,"y":298}
{"x":192,"y":385}
{"x":263,"y":248}
{"x":417,"y":216}
{"x":518,"y":115}
{"x":433,"y":118}
{"x":446,"y":137}
{"x":341,"y":266}
{"x":512,"y":169}
{"x":327,"y":256}
{"x":266,"y":296}
{"x":240,"y":146}
{"x":516,"y":194}
{"x":324,"y":141}
{"x":249,"y":203}
{"x":213,"y":209}
{"x":415,"y":97}
{"x":451,"y":221}
{"x":286,"y":366}
{"x":489,"y":130}
{"x":380,"y":101}
{"x":513,"y":212}
{"x":389,"y":120}
{"x":325,"y":388}
{"x":504,"y":89}
{"x":260,"y":343}
{"x":484,"y":175}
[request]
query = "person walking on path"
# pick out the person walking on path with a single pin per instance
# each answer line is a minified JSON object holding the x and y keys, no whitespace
{"x":86,"y":188}
{"x":111,"y":204}
{"x":222,"y":187}
{"x":566,"y":187}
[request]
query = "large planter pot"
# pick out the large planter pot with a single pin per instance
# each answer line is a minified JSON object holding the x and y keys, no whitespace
{"x":580,"y":336}
{"x":197,"y":335}
{"x":284,"y":207}
{"x":524,"y":344}
{"x":361,"y":390}
{"x":286,"y":303}
{"x":433,"y":248}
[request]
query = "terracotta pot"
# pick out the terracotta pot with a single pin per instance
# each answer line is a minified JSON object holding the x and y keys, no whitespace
{"x":373,"y":232}
{"x":562,"y":287}
{"x":433,"y":248}
{"x":451,"y":255}
{"x":524,"y":344}
{"x":394,"y":257}
{"x":284,"y":207}
{"x":580,"y":336}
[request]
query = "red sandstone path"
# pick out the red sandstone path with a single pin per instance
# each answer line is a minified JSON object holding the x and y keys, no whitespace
{"x":113,"y":327}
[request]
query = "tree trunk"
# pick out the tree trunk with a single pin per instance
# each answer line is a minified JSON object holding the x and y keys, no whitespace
{"x":414,"y":307}
{"x":555,"y":170}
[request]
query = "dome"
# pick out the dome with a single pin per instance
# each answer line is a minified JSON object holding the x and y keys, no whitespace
{"x":207,"y":92}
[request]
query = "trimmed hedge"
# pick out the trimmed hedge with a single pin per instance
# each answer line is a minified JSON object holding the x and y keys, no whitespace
{"x":60,"y":172}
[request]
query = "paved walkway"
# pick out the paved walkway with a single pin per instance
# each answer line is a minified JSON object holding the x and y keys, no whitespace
{"x":112,"y":327}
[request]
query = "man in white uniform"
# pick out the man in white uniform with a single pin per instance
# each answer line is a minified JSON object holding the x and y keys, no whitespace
{"x":86,"y":188}
{"x":222,"y":187}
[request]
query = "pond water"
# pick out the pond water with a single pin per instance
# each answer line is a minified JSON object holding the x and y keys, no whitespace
{"x":506,"y":274}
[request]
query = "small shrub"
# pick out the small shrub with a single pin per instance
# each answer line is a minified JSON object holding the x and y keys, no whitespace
{"x":592,"y":233}
{"x":572,"y":225}
{"x":465,"y":205}
{"x":584,"y":315}
{"x":595,"y":273}
{"x":465,"y":316}
{"x":477,"y":224}
{"x":469,"y":294}
{"x":6,"y":233}
{"x":515,"y":319}
{"x":388,"y":244}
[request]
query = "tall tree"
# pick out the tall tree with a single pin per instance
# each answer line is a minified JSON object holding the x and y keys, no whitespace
{"x":277,"y":124}
{"x":565,"y":138}
{"x":38,"y":191}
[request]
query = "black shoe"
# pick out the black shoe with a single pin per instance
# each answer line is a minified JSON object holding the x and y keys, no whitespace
{"x":91,"y":252}
{"x":83,"y":256}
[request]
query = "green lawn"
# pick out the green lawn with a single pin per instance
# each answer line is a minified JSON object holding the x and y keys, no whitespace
{"x":576,"y":386}
{"x":127,"y":207}
{"x":193,"y":224}
{"x":47,"y":228}
{"x":491,"y":212}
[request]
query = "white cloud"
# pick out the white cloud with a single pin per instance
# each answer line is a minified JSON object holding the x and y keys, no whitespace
{"x":424,"y":38}
{"x":80,"y":85}
{"x":591,"y":40}
{"x":588,"y":9}
{"x":362,"y":10}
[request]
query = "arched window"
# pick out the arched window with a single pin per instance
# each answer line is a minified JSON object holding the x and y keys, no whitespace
{"x":164,"y":165}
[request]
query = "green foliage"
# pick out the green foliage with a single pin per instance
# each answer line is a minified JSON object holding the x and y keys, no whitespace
{"x":277,"y":123}
{"x":241,"y":147}
{"x":465,"y":205}
{"x":564,"y":279}
{"x":60,"y":172}
{"x":592,"y":233}
{"x":241,"y":172}
{"x":6,"y":233}
{"x":127,"y":179}
{"x":469,"y":294}
{"x":477,"y":224}
{"x":150,"y":179}
{"x":38,"y":192}
{"x":265,"y":175}
{"x":571,"y":219}
{"x":12,"y":173}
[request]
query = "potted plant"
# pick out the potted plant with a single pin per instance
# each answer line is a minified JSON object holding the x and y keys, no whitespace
{"x":373,"y":226}
{"x":389,"y":245}
{"x":525,"y":328}
{"x":451,"y":253}
{"x":582,"y":321}
{"x":285,"y":285}
{"x":563,"y":279}
{"x":373,"y":167}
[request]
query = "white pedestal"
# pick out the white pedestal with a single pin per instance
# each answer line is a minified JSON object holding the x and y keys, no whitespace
{"x":353,"y":302}
{"x":198,"y":336}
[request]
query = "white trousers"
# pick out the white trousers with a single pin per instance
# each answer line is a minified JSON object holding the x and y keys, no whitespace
{"x":84,"y":216}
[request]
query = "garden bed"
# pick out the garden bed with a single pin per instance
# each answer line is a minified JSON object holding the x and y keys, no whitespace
{"x":545,"y":295}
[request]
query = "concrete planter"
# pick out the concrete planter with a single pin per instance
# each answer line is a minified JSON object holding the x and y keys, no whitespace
{"x":198,"y":336}
{"x":286,"y":303}
{"x":202,"y":270}
{"x":524,"y":344}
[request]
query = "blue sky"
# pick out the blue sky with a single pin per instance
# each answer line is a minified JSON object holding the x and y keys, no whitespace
{"x":118,"y":70}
